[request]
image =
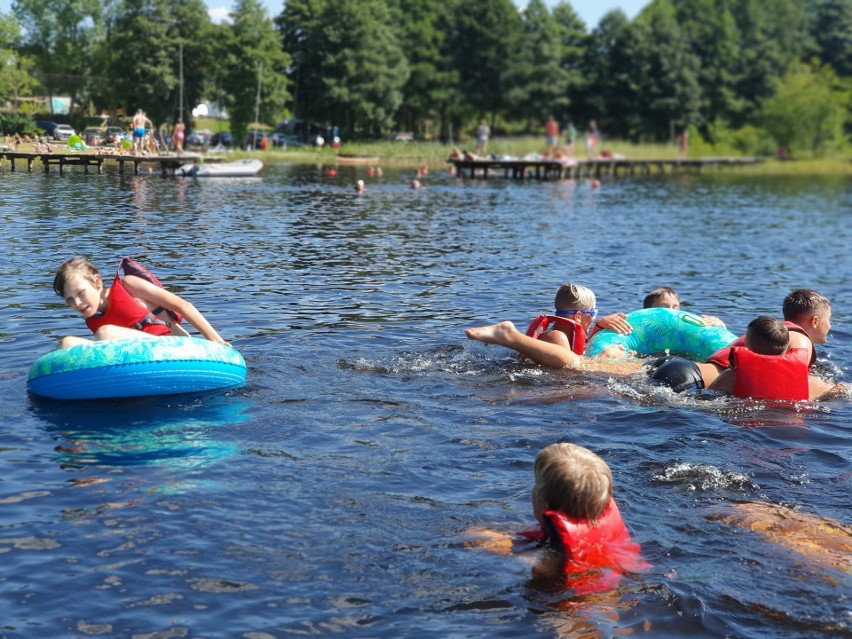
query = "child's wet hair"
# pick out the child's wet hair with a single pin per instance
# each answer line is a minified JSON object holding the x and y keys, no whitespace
{"x":574,"y":297}
{"x":804,"y":301}
{"x":78,"y":265}
{"x":767,"y":336}
{"x":573,"y":480}
{"x":658,"y":295}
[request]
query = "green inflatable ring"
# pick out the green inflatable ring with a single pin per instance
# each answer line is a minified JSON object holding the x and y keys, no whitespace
{"x":660,"y":330}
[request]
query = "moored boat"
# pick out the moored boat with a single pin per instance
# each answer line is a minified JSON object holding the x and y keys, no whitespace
{"x":237,"y":168}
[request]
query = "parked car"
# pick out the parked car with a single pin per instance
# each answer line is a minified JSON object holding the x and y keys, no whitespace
{"x":280,"y":138}
{"x":194,"y":140}
{"x":62,"y":132}
{"x":255,"y":140}
{"x":47,"y":126}
{"x":221,"y":140}
{"x":92,"y":136}
{"x":112,"y":134}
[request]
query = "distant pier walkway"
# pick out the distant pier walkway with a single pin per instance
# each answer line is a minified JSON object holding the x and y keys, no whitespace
{"x":168,"y":164}
{"x":541,"y":169}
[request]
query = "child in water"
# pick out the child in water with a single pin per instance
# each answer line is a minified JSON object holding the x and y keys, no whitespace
{"x":553,"y":348}
{"x":578,"y":519}
{"x":134,"y":305}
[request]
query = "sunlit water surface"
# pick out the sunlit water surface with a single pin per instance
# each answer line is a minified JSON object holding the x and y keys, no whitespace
{"x":332,"y":494}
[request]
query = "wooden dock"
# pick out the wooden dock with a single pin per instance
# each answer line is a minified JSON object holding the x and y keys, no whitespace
{"x":520,"y":169}
{"x":168,"y":164}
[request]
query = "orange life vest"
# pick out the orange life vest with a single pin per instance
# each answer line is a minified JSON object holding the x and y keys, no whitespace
{"x":544,"y":323}
{"x":125,"y":310}
{"x":783,"y":377}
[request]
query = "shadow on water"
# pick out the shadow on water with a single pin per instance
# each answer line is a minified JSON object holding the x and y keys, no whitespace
{"x":180,"y":431}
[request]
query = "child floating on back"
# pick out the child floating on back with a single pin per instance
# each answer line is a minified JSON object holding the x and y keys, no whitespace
{"x":578,"y":519}
{"x":133,"y":306}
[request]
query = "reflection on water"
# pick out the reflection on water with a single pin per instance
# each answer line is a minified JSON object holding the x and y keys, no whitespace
{"x":179,"y":431}
{"x":331,"y":495}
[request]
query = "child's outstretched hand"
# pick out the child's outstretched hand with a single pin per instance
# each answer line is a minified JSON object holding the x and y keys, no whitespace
{"x":616,"y":322}
{"x":492,"y":540}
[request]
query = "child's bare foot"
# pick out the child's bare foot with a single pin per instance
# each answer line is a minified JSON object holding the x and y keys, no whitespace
{"x":494,"y":334}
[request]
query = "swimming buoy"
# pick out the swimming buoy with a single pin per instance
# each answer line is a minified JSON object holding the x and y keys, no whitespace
{"x":658,"y":330}
{"x":136,"y":367}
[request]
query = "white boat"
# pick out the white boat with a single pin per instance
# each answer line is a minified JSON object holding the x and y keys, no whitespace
{"x":238,"y":168}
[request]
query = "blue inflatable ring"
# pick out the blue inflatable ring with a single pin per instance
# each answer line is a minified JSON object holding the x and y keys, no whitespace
{"x":136,"y":367}
{"x":657,"y":330}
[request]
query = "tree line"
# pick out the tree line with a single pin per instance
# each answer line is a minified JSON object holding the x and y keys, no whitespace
{"x":775,"y":71}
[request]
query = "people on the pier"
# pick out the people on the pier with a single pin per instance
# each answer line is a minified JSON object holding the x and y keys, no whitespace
{"x":133,"y":306}
{"x":570,"y":139}
{"x":179,"y":135}
{"x":577,"y":518}
{"x":141,"y":124}
{"x":482,"y":135}
{"x":592,"y":138}
{"x":551,"y":136}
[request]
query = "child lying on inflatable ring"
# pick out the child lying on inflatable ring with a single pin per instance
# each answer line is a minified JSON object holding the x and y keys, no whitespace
{"x":562,"y":345}
{"x":578,"y":519}
{"x":660,"y":297}
{"x":134,"y":305}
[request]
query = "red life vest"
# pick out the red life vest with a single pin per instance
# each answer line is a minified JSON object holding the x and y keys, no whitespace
{"x":722,"y":356}
{"x":596,"y":554}
{"x":544,"y":323}
{"x":125,"y":310}
{"x":783,"y":377}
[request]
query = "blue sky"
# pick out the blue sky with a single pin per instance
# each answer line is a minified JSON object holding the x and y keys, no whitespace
{"x":589,"y":10}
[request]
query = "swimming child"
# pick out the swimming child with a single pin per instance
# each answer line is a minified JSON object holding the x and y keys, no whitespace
{"x":766,"y":366}
{"x":660,"y":297}
{"x":578,"y":519}
{"x":559,"y":346}
{"x":134,"y":305}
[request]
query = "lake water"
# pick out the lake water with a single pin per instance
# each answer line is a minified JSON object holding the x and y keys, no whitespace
{"x":331,"y":496}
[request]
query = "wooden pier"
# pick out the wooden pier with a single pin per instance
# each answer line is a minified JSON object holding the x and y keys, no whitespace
{"x":541,"y":169}
{"x":168,"y":163}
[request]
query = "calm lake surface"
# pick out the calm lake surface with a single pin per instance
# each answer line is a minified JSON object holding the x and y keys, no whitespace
{"x":331,"y":496}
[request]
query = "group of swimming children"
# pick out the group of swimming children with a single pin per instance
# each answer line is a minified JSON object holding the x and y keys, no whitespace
{"x":572,"y":493}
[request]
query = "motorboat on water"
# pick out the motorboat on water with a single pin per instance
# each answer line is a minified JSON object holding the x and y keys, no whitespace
{"x":237,"y":168}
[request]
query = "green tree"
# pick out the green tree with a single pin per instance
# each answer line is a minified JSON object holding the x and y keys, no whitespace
{"x":808,"y":110}
{"x":255,"y":60}
{"x":61,"y":36}
{"x":432,"y":83}
{"x":574,"y":40}
{"x":833,"y":34}
{"x":617,"y":67}
{"x":537,"y":83}
{"x":774,"y":36}
{"x":671,"y":93}
{"x":711,"y":30}
{"x":349,"y":66}
{"x":140,"y":59}
{"x":486,"y":35}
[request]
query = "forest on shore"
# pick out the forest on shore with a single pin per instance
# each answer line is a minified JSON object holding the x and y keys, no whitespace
{"x":759,"y":75}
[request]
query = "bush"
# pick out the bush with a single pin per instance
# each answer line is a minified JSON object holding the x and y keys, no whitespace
{"x":12,"y":123}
